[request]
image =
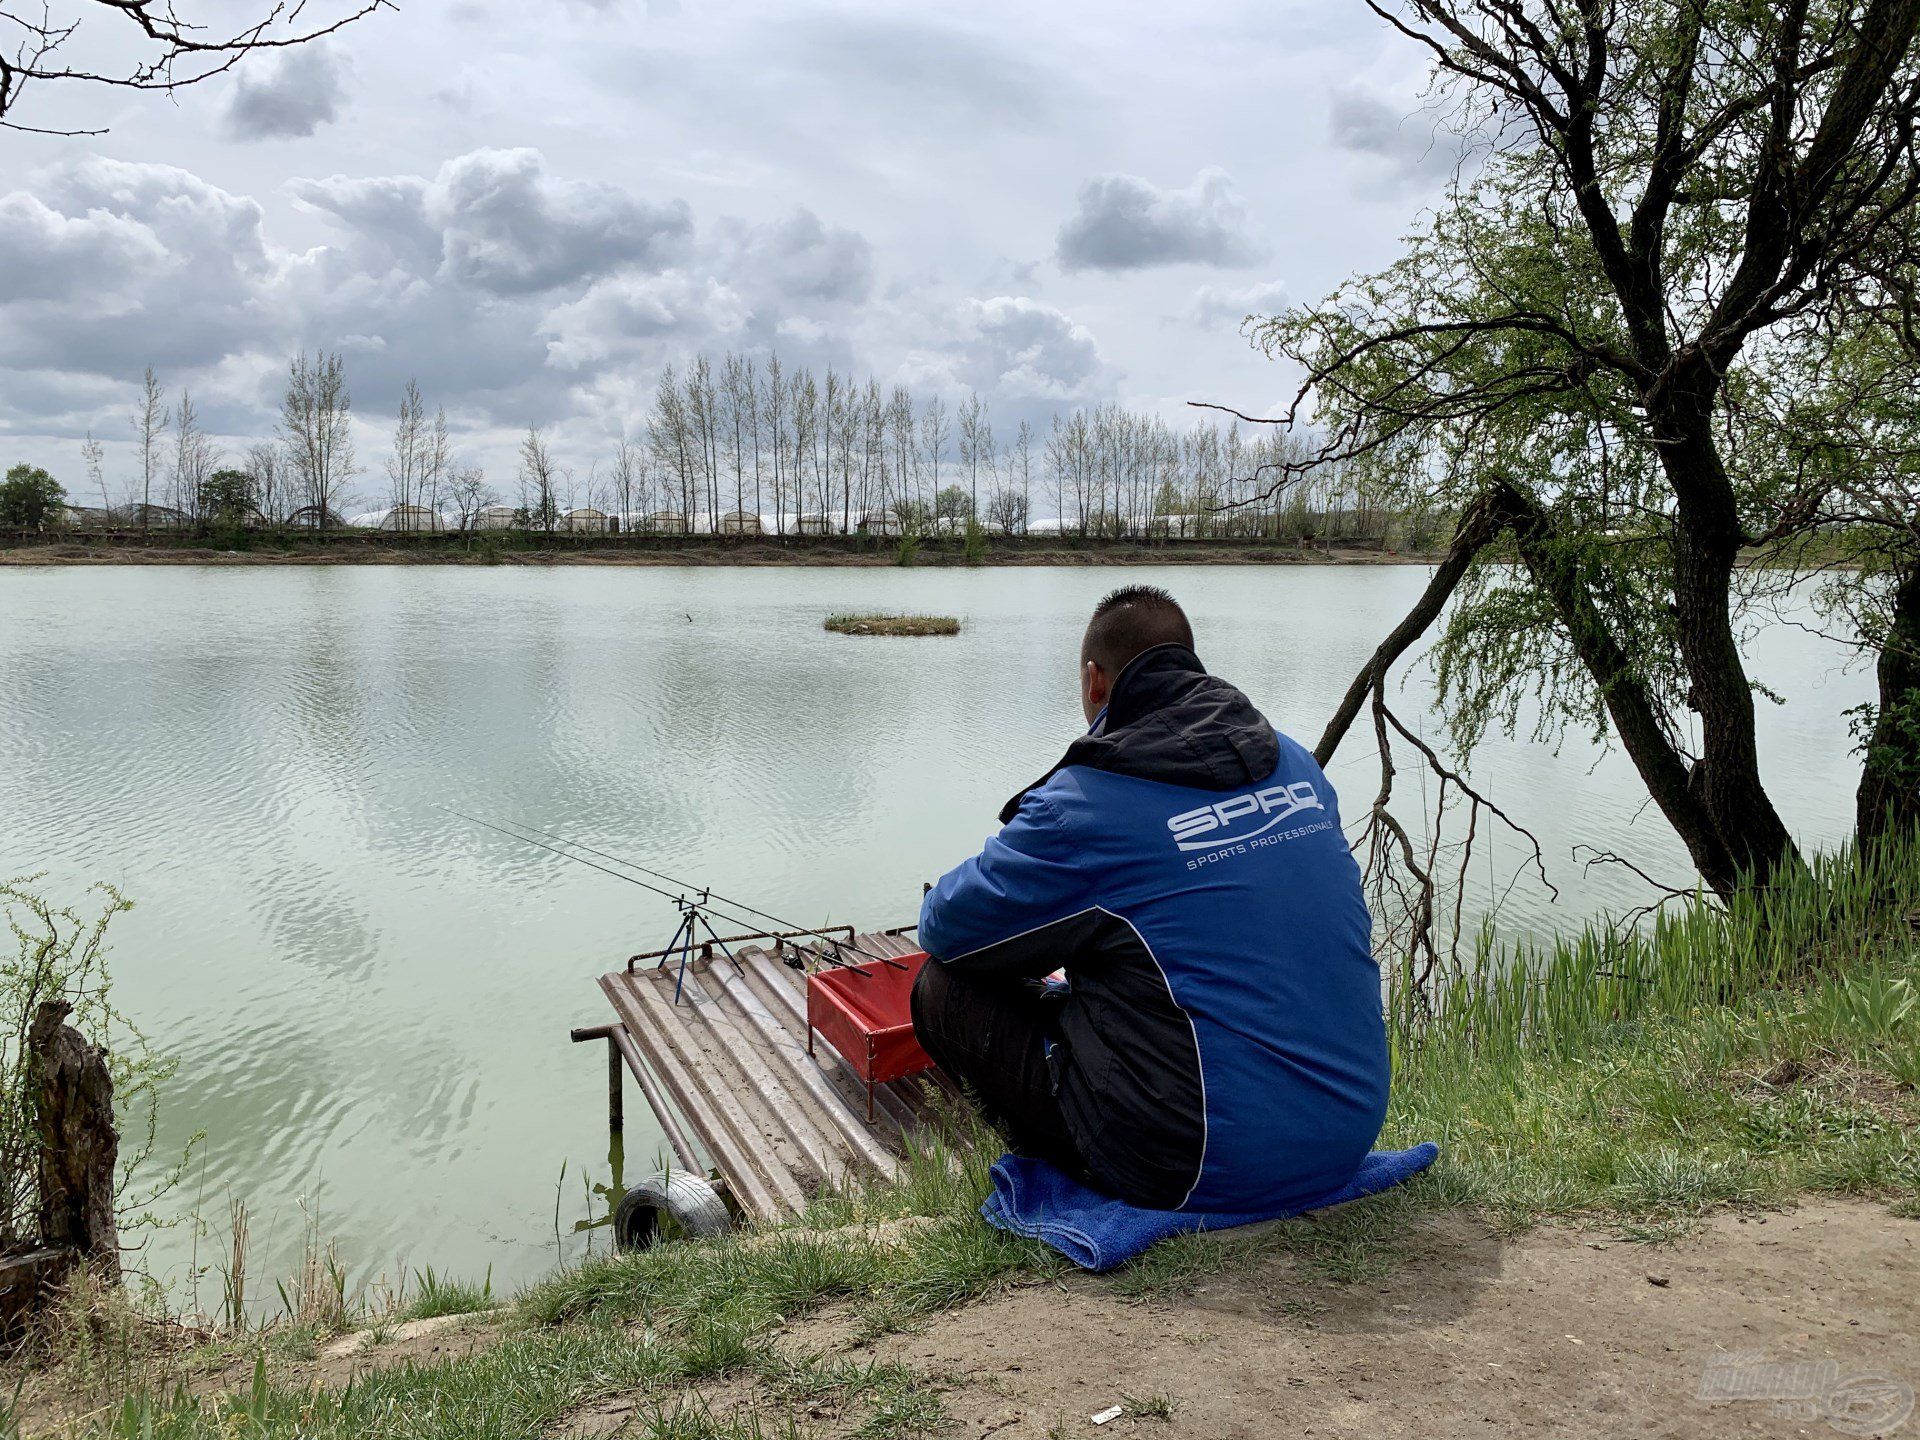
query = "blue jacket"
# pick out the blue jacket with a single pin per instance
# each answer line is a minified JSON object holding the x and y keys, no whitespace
{"x":1222,"y":1047}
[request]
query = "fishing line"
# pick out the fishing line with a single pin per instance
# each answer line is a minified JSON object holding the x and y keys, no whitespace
{"x":725,"y":907}
{"x":680,"y":900}
{"x":730,"y":903}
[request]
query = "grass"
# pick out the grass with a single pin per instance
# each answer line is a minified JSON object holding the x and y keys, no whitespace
{"x":1636,"y":1079}
{"x":1718,"y":1056}
{"x":436,"y":1295}
{"x":893,"y":624}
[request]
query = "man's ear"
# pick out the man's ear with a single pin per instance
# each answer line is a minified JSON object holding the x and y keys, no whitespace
{"x":1098,"y":686}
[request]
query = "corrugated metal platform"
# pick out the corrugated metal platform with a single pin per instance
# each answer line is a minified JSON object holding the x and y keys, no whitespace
{"x":727,"y":1072}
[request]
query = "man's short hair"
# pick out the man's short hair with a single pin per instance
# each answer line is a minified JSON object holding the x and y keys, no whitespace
{"x":1132,"y":619}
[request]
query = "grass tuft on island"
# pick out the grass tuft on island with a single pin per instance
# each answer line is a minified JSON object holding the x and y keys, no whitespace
{"x":893,"y":624}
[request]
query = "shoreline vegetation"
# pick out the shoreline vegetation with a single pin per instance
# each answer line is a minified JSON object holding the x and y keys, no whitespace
{"x":893,"y":624}
{"x":1635,"y":1082}
{"x":535,"y":548}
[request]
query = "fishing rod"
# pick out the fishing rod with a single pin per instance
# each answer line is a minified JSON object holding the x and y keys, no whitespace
{"x":706,"y":899}
{"x":729,"y":903}
{"x":685,"y":936}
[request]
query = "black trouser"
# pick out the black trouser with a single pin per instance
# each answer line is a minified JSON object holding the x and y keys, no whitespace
{"x":992,"y":1035}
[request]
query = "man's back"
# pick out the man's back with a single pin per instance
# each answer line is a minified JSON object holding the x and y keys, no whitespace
{"x":1222,"y":1047}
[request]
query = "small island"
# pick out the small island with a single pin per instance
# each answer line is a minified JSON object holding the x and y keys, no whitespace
{"x":893,"y":624}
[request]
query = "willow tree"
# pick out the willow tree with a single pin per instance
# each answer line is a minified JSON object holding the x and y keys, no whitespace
{"x":1842,"y":425}
{"x":1662,"y":195}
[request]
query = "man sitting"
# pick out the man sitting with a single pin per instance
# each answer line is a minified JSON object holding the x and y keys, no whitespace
{"x":1218,"y":1044}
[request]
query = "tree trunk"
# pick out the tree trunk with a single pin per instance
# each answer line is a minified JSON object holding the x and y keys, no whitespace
{"x":1636,"y":719}
{"x":1705,"y":546}
{"x":1888,"y":802}
{"x":79,"y":1144}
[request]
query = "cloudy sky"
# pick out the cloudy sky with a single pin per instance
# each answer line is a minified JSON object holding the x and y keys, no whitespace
{"x":534,"y":207}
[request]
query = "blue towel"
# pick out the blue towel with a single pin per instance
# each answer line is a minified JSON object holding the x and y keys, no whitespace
{"x":1098,"y":1232}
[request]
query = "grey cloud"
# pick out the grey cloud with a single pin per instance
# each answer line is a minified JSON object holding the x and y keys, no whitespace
{"x":289,"y":97}
{"x":941,"y":69}
{"x":1125,"y":223}
{"x":745,"y":290}
{"x":511,"y":228}
{"x":168,"y":268}
{"x":497,"y":221}
{"x":386,"y":215}
{"x":48,"y":255}
{"x":1413,"y":152}
{"x":1217,"y":305}
{"x":800,"y":256}
{"x":508,"y":290}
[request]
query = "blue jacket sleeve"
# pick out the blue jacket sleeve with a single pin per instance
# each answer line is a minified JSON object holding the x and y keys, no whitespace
{"x":992,"y":914}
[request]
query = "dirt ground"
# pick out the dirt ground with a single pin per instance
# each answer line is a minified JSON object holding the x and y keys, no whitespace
{"x":1796,"y":1323}
{"x":1558,"y":1332}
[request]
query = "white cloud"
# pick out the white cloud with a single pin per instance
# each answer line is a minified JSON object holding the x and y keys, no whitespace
{"x":1216,"y":307}
{"x":1125,"y":223}
{"x":1028,"y":359}
{"x":630,"y":314}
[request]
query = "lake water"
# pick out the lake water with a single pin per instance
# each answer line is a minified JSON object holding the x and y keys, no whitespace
{"x":369,"y":999}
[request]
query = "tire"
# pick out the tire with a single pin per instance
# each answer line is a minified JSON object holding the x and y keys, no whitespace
{"x":688,"y":1200}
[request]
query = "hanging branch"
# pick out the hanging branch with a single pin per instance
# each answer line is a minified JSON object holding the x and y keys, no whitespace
{"x":1385,"y":837}
{"x":175,"y":52}
{"x":1478,"y":526}
{"x":1384,"y":834}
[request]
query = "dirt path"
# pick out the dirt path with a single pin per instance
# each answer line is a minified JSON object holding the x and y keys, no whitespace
{"x":1558,"y":1332}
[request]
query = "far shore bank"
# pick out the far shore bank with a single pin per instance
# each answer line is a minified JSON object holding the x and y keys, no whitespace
{"x":360,"y":549}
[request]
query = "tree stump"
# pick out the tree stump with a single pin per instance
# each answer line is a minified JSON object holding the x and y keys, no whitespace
{"x":79,"y":1143}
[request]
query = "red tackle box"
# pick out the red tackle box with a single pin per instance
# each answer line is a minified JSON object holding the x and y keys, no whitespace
{"x":865,"y":1012}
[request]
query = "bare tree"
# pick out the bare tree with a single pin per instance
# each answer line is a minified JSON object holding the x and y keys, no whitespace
{"x":93,"y":454}
{"x":1023,"y":469}
{"x":149,"y":424}
{"x":1007,"y":510}
{"x":193,"y":458}
{"x":267,"y":467}
{"x":773,"y":412}
{"x":436,"y":460}
{"x":469,"y":493}
{"x":314,"y":424}
{"x":539,"y":502}
{"x":155,"y":47}
{"x":406,"y":467}
{"x":670,"y":436}
{"x":629,"y":464}
{"x":738,"y":408}
{"x":976,"y":444}
{"x":935,"y":430}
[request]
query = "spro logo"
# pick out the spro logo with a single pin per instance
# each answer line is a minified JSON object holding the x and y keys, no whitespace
{"x":1225,"y":822}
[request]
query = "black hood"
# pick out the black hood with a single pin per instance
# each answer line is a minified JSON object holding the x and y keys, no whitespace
{"x":1169,"y":720}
